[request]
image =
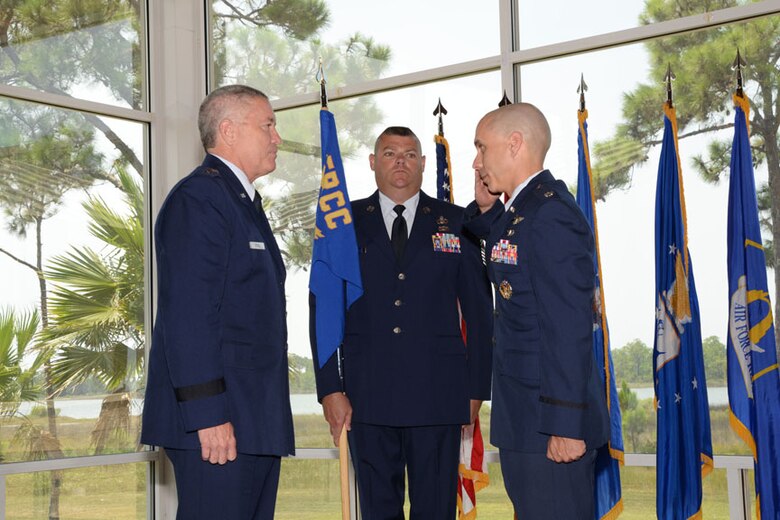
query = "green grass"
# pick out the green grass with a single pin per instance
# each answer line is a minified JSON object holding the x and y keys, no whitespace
{"x":309,"y":489}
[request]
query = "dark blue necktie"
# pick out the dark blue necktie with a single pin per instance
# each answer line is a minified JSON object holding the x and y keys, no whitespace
{"x":399,"y":234}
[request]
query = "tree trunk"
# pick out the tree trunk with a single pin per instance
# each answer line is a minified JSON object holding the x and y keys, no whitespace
{"x":56,"y":476}
{"x":766,"y":126}
{"x":772,"y":158}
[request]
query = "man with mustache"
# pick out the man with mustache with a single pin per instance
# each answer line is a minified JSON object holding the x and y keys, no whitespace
{"x":409,"y":381}
{"x":549,"y":415}
{"x":217,"y":394}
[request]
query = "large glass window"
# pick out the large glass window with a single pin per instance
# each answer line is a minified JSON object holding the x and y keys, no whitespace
{"x":277,"y":49}
{"x":279,"y":55}
{"x":117,"y":492}
{"x":309,"y":490}
{"x":72,"y":292}
{"x":583,"y":19}
{"x":89,"y":51}
{"x":292,"y":190}
{"x":639,"y":494}
{"x":625,"y":124}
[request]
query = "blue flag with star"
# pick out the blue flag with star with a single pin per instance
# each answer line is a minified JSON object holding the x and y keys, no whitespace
{"x":684,"y":453}
{"x":443,"y":170}
{"x":335,"y":271}
{"x":753,"y":383}
{"x":608,"y":495}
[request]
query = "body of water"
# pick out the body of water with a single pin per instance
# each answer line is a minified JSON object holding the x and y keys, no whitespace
{"x":302,"y":404}
{"x":717,"y":395}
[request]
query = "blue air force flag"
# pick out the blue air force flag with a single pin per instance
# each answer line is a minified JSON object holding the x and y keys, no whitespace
{"x":335,"y":272}
{"x":754,"y":387}
{"x":608,"y":496}
{"x":684,"y":454}
{"x":443,"y":170}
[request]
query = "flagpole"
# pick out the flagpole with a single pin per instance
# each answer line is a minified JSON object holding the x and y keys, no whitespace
{"x":343,"y":444}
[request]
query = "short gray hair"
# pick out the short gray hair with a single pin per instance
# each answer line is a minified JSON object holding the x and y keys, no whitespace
{"x":218,"y":105}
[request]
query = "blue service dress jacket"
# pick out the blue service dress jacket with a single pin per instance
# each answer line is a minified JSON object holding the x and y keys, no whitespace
{"x":404,"y":359}
{"x":539,"y":258}
{"x":219,"y":347}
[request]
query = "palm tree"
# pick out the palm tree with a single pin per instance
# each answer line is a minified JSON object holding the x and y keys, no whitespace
{"x":17,"y":383}
{"x":97,"y":310}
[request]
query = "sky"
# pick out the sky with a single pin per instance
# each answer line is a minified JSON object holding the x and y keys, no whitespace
{"x":626,"y":218}
{"x":463,"y":31}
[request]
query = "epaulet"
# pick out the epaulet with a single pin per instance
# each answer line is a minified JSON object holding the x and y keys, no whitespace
{"x":546,"y":191}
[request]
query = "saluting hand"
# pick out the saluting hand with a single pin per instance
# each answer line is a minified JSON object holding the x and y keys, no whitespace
{"x":218,"y":444}
{"x":485,"y":199}
{"x":338,"y":413}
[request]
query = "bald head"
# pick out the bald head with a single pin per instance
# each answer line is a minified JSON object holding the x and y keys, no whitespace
{"x":511,"y":144}
{"x":526,"y":119}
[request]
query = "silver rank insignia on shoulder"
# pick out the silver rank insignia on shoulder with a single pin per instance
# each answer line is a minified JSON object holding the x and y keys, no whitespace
{"x":548,"y":194}
{"x":370,"y":209}
{"x":517,"y":220}
{"x":505,"y":289}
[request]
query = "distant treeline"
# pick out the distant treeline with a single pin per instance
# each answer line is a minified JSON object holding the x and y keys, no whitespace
{"x":633,"y":363}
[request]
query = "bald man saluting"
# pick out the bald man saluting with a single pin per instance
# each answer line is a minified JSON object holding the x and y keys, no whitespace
{"x":548,"y":415}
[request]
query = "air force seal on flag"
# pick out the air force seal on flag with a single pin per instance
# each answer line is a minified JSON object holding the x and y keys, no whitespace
{"x":672,"y":313}
{"x":745,"y":338}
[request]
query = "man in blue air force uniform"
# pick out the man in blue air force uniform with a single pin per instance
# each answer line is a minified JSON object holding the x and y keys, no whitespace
{"x":217,"y":395}
{"x":548,"y":415}
{"x":409,"y":380}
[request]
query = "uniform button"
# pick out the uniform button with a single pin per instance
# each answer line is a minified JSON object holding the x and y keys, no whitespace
{"x":396,"y":330}
{"x":401,"y":276}
{"x":397,"y":303}
{"x":494,"y":341}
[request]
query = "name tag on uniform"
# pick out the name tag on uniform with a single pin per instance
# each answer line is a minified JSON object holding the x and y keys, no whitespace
{"x":256,"y":245}
{"x":446,"y":243}
{"x":504,"y":253}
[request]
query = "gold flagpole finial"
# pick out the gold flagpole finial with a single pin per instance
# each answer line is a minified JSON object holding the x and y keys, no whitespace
{"x":581,"y":89}
{"x":320,"y":77}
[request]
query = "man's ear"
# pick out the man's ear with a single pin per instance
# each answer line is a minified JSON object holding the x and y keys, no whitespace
{"x":515,"y":142}
{"x":227,"y":131}
{"x":371,"y":161}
